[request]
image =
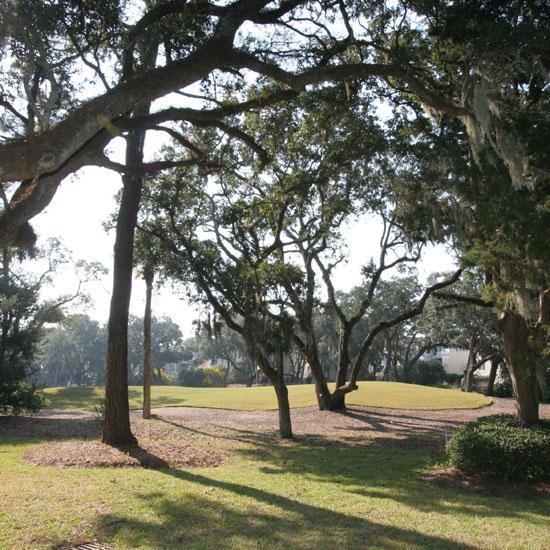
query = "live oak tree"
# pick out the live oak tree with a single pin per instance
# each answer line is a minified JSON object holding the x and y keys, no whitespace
{"x":218,"y":249}
{"x":476,"y":63}
{"x":315,"y":183}
{"x":488,"y":176}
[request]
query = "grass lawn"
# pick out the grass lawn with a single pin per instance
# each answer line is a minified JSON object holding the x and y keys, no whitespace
{"x":266,"y":495}
{"x":372,"y":394}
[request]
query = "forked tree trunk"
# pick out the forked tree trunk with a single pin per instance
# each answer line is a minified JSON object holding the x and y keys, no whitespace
{"x":492,"y":376}
{"x":148,"y":276}
{"x":515,"y":334}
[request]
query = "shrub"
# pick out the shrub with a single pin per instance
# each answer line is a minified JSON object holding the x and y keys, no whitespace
{"x":202,"y":377}
{"x":213,"y":377}
{"x":452,"y":378}
{"x":192,"y":378}
{"x":17,"y":396}
{"x":500,"y":447}
{"x":427,"y":373}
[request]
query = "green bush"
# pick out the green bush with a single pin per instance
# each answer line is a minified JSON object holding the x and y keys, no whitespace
{"x":202,"y":377}
{"x":503,"y":388}
{"x":17,"y":396}
{"x":427,"y":373}
{"x":500,"y":447}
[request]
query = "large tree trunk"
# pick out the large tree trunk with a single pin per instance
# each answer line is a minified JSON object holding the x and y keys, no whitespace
{"x":515,"y":334}
{"x":148,"y":276}
{"x":116,"y":428}
{"x":492,"y":376}
{"x":285,"y":423}
{"x":338,"y":399}
{"x":323,"y":394}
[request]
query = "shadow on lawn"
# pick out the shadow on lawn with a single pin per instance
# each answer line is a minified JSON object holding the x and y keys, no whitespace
{"x":268,"y":519}
{"x":72,"y":398}
{"x":380,"y":472}
{"x":37,"y":427}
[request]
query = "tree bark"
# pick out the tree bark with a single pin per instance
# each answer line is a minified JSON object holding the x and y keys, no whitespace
{"x":285,"y":423}
{"x":5,"y":315}
{"x":148,"y":276}
{"x":515,"y":334}
{"x":116,"y":429}
{"x":468,"y":382}
{"x":492,"y":376}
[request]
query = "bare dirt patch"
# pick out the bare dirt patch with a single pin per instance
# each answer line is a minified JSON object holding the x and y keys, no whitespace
{"x":192,"y":437}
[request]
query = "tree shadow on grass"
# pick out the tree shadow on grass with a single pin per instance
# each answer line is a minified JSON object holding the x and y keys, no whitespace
{"x":227,"y":433}
{"x":145,"y":458}
{"x":43,"y":428}
{"x":386,"y":473}
{"x":397,"y":414}
{"x":252,"y":517}
{"x":73,"y":397}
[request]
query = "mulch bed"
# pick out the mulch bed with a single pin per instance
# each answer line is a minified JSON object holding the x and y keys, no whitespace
{"x":193,"y":437}
{"x":456,"y":479}
{"x":151,"y":454}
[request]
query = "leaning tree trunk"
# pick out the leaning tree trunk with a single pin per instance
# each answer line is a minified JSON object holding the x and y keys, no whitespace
{"x":515,"y":334}
{"x":281,"y":390}
{"x":148,"y":276}
{"x":492,"y":376}
{"x":323,"y":394}
{"x":285,"y":423}
{"x":338,"y":399}
{"x":468,"y":382}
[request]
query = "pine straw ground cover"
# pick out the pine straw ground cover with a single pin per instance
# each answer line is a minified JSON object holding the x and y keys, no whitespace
{"x":347,"y":481}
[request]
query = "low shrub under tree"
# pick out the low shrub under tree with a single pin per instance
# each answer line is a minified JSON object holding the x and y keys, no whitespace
{"x":501,"y":448}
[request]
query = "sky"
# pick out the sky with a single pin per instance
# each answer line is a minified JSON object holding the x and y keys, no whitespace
{"x":86,"y":200}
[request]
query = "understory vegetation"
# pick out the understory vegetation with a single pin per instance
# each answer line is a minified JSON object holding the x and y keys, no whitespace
{"x":500,"y":447}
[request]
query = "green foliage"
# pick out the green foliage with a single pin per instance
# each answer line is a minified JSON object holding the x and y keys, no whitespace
{"x":504,"y":387}
{"x":17,"y":395}
{"x":73,"y":353}
{"x":427,"y":373}
{"x":202,"y":377}
{"x":500,"y":447}
{"x":191,"y":378}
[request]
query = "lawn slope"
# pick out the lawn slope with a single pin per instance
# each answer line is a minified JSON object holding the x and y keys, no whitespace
{"x":372,"y":394}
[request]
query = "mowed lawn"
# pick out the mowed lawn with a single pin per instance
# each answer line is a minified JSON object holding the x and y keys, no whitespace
{"x":372,"y":394}
{"x":266,"y":495}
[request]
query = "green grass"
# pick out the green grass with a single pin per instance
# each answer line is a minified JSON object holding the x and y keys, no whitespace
{"x":373,"y":394}
{"x":266,"y":496}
